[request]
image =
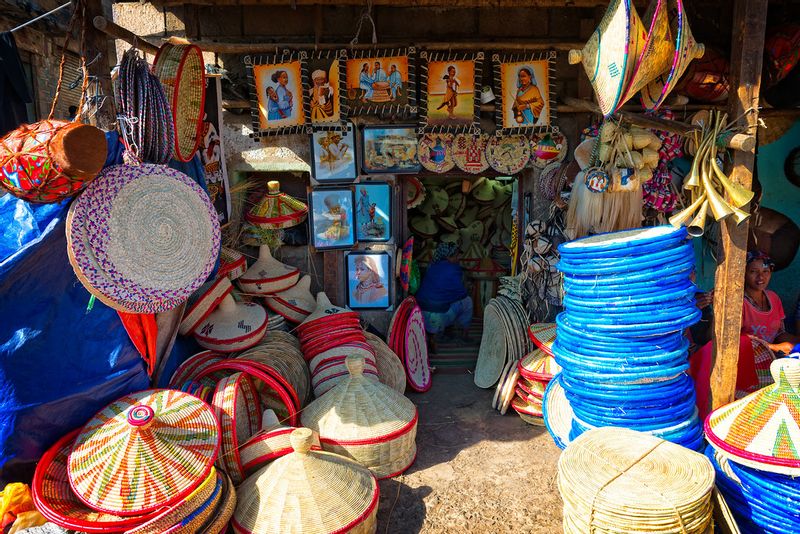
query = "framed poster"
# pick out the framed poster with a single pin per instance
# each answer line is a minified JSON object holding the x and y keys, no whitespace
{"x":526,"y":102}
{"x":451,"y":85}
{"x":389,"y":150}
{"x":373,"y":211}
{"x":212,"y":151}
{"x":323,"y":88}
{"x":381,"y":81}
{"x":369,"y":280}
{"x":278,"y":101}
{"x":333,"y":155}
{"x":332,"y":225}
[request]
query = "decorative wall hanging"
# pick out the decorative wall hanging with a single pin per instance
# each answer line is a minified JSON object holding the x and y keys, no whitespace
{"x":369,"y":279}
{"x":381,"y":81}
{"x":325,"y":72}
{"x":451,"y":91}
{"x":548,"y":148}
{"x":212,"y":152}
{"x":332,"y":221}
{"x":436,"y":152}
{"x":389,"y":150}
{"x":469,"y":152}
{"x":373,"y":211}
{"x":508,"y":154}
{"x":276,"y":85}
{"x":334,"y":155}
{"x":525,"y":102}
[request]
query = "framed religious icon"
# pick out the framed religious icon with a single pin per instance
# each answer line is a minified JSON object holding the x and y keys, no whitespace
{"x":323,"y":88}
{"x":526,"y":102}
{"x":451,"y":85}
{"x":331,"y":224}
{"x":333,"y":155}
{"x":373,"y":211}
{"x":389,"y":150}
{"x":276,"y":86}
{"x":381,"y":81}
{"x":369,"y":280}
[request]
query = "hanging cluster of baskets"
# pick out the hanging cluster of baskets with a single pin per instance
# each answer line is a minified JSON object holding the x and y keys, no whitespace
{"x":625,"y":366}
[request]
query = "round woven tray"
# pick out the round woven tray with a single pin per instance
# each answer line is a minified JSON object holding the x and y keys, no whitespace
{"x":390,"y":370}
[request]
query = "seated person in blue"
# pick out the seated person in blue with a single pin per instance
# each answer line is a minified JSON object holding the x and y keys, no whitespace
{"x":442,"y":295}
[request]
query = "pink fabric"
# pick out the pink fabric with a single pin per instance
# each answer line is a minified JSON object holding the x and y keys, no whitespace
{"x":763,"y":325}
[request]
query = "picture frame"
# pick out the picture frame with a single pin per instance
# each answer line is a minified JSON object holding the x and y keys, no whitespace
{"x":369,"y":280}
{"x":381,"y":81}
{"x":331,"y":218}
{"x":373,"y":209}
{"x":324,"y":88}
{"x":526,"y":100}
{"x":278,"y":101}
{"x":450,"y":99}
{"x":389,"y":150}
{"x":212,"y":150}
{"x":334,"y":157}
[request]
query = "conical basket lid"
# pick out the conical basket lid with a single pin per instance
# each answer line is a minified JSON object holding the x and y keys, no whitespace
{"x":307,"y":491}
{"x":277,"y":210}
{"x":762,"y":430}
{"x":359,"y":408}
{"x":267,"y":269}
{"x":299,"y":295}
{"x":538,"y":365}
{"x":324,"y":308}
{"x":543,"y":336}
{"x":611,"y":52}
{"x":144,"y":451}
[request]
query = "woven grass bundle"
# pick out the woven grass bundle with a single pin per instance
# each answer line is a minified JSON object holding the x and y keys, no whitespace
{"x":366,"y":421}
{"x":615,"y":480}
{"x":308,"y":491}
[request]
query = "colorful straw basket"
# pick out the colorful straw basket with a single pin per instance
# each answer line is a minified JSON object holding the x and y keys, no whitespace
{"x":277,"y":210}
{"x":232,"y":327}
{"x":238,"y":410}
{"x":269,"y":445}
{"x":267,"y":275}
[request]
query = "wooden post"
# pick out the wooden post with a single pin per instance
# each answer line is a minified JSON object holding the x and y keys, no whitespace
{"x":333,"y":276}
{"x":747,"y":47}
{"x":101,"y":94}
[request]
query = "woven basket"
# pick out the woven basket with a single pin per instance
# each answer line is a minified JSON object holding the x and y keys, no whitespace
{"x":232,"y":327}
{"x":543,"y":336}
{"x":182,"y":73}
{"x":267,"y":275}
{"x":277,"y":210}
{"x":192,"y":523}
{"x":334,"y":371}
{"x":539,"y":365}
{"x":285,"y":359}
{"x":192,"y":366}
{"x":267,"y":446}
{"x":153,"y":448}
{"x":308,"y":491}
{"x":366,"y":421}
{"x":237,"y":407}
{"x":218,"y":522}
{"x":232,"y":263}
{"x":619,"y":480}
{"x":202,"y":303}
{"x":492,"y":352}
{"x":295,"y":303}
{"x":390,"y":371}
{"x":557,"y":413}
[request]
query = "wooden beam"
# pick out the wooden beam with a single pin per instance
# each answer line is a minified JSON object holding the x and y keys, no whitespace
{"x":333,"y":276}
{"x":99,"y":67}
{"x":398,"y":3}
{"x":118,"y":32}
{"x":749,"y":27}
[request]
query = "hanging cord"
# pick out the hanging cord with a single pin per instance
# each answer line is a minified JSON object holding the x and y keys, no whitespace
{"x":40,"y":17}
{"x":78,"y":13}
{"x":365,"y":15}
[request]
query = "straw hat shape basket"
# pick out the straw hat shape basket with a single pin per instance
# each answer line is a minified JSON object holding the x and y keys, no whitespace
{"x":152,"y":449}
{"x":142,"y":238}
{"x":202,"y":303}
{"x":232,"y":263}
{"x":762,"y":430}
{"x":309,"y":492}
{"x":619,"y":480}
{"x":277,"y":210}
{"x":182,"y":73}
{"x":233,"y":326}
{"x":267,"y":275}
{"x":364,"y":420}
{"x":295,"y":303}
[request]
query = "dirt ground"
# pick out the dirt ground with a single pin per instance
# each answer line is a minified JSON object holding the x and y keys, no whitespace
{"x":476,"y":471}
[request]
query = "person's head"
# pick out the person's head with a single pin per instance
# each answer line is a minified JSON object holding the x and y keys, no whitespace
{"x":365,"y":67}
{"x":320,"y":77}
{"x":758,"y":271}
{"x":332,"y":203}
{"x":366,"y":269}
{"x":73,"y":111}
{"x":446,"y":250}
{"x":451,"y":70}
{"x":271,"y":92}
{"x":525,"y":77}
{"x":393,"y":68}
{"x":377,"y":65}
{"x":280,"y":76}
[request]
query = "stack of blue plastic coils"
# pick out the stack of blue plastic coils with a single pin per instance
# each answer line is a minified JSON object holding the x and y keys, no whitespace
{"x":761,"y":502}
{"x":628,"y":298}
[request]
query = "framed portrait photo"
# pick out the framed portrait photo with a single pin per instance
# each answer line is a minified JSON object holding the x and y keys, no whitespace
{"x":276,"y":86}
{"x":389,"y":150}
{"x":525,"y":103}
{"x":451,"y":84}
{"x":332,"y":224}
{"x":334,"y":155}
{"x":325,"y":71}
{"x":381,"y":81}
{"x":373,"y":211}
{"x":369,"y":280}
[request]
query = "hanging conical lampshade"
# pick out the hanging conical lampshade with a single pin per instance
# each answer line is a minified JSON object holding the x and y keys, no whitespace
{"x":277,"y":210}
{"x":308,"y":491}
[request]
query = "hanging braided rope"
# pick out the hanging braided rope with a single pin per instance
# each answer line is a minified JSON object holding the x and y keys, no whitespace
{"x":144,"y":115}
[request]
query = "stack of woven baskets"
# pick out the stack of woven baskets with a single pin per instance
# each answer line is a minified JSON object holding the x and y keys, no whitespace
{"x":622,"y":481}
{"x":754,"y":448}
{"x":626,"y":366}
{"x":407,"y":339}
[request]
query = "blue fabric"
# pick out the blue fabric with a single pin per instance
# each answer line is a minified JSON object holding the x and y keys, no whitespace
{"x":441,"y":286}
{"x":59,"y":364}
{"x":459,"y":313}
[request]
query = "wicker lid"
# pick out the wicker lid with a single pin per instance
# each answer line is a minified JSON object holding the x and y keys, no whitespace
{"x":267,"y":275}
{"x":359,"y":408}
{"x":762,"y":430}
{"x":539,"y":365}
{"x":181,"y":70}
{"x":232,"y":263}
{"x":435,"y":152}
{"x":143,"y":238}
{"x":543,"y":336}
{"x":192,"y":366}
{"x":324,"y":309}
{"x":238,"y":410}
{"x":295,"y":303}
{"x":134,"y":446}
{"x":307,"y":491}
{"x":277,"y":210}
{"x":233,"y":326}
{"x":548,"y":148}
{"x":202,"y":302}
{"x":269,"y":445}
{"x":415,"y":192}
{"x":508,"y":154}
